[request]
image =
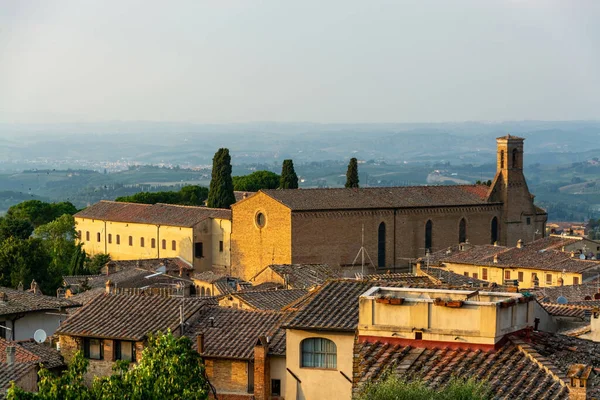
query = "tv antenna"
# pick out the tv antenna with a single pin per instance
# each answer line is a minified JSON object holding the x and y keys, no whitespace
{"x":362,"y":252}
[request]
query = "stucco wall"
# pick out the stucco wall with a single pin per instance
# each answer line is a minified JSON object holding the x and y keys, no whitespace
{"x":318,"y":384}
{"x":278,"y":371}
{"x":24,"y":328}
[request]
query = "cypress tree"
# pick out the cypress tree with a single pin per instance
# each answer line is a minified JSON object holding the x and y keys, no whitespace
{"x":289,"y":179}
{"x":352,"y":174}
{"x":220,"y":194}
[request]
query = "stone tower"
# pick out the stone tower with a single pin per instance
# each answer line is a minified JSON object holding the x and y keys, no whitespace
{"x":520,"y":218}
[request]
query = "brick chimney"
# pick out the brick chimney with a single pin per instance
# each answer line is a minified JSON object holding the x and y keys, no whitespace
{"x":262,"y":370}
{"x":10,"y":355}
{"x":495,"y":258}
{"x":35,"y":289}
{"x":578,"y":375}
{"x":109,"y":286}
{"x":111,"y":267}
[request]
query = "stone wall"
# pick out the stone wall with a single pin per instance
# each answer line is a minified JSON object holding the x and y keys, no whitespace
{"x":227,"y":376}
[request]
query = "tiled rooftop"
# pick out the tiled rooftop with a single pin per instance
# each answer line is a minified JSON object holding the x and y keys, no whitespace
{"x":565,"y":310}
{"x":302,"y":276}
{"x":162,"y":214}
{"x":19,"y":301}
{"x":270,"y":299}
{"x":129,"y":317}
{"x":47,"y":355}
{"x":380,"y":197}
{"x":541,"y":254}
{"x":13,"y":372}
{"x":443,"y":275}
{"x":233,"y":333}
{"x":573,"y":293}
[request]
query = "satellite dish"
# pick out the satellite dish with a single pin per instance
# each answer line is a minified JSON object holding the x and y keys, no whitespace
{"x":582,"y":256}
{"x":40,"y":336}
{"x":562,"y":300}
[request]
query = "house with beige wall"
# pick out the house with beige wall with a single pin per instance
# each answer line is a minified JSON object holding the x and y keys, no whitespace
{"x":538,"y":264}
{"x":393,"y":224}
{"x":131,"y":231}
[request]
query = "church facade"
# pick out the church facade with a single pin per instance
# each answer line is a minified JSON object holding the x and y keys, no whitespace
{"x":389,"y":226}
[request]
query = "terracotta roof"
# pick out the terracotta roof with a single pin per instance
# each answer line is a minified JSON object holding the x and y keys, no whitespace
{"x":270,"y":299}
{"x":172,"y":264}
{"x":380,"y":197}
{"x":22,"y":355}
{"x":161,"y":214}
{"x":208,"y":276}
{"x":578,"y":331}
{"x":443,"y":275}
{"x":509,"y":371}
{"x":46,"y":355}
{"x":19,"y":301}
{"x":223,"y":283}
{"x":540,"y":254}
{"x":573,"y":293}
{"x":13,"y":372}
{"x":565,"y":310}
{"x":86,"y":296}
{"x":334,"y":306}
{"x":233,"y":333}
{"x":301,"y":276}
{"x":509,"y":136}
{"x":129,"y":317}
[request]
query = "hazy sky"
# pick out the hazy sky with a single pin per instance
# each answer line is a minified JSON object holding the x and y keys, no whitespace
{"x":284,"y":60}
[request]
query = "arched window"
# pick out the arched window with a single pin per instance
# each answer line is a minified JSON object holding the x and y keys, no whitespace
{"x":164,"y":244}
{"x":142,"y":242}
{"x":462,"y":231}
{"x":153,"y":243}
{"x":501,"y":158}
{"x":207,"y":291}
{"x":202,"y":293}
{"x":514,"y":158}
{"x":318,"y":353}
{"x":173,"y":245}
{"x":494,"y":230}
{"x":381,"y":246}
{"x":428,"y":234}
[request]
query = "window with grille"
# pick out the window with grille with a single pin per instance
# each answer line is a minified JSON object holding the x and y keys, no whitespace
{"x":318,"y":353}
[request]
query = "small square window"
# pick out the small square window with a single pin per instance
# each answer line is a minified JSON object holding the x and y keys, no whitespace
{"x":466,"y":274}
{"x":418,"y":335}
{"x":475,"y":275}
{"x":575,"y":280}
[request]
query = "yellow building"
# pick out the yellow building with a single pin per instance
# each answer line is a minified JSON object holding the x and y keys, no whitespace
{"x":130,"y":231}
{"x":539,"y":264}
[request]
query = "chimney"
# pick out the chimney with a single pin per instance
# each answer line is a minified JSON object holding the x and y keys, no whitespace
{"x":245,"y":195}
{"x":572,"y":254}
{"x":109,"y":286}
{"x":200,"y":342}
{"x":520,"y":244}
{"x":20,"y":287}
{"x":10,"y":354}
{"x":111,"y":268}
{"x":3,"y":297}
{"x":495,"y":258}
{"x":578,"y":375}
{"x":35,"y":289}
{"x":496,"y":243}
{"x":262,"y":370}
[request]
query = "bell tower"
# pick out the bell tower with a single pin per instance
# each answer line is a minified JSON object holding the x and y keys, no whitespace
{"x":520,"y":218}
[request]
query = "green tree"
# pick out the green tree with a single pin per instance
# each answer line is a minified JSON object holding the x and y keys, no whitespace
{"x":21,"y":261}
{"x":393,"y":387}
{"x":352,"y":174}
{"x":94,"y":264}
{"x":289,"y":179}
{"x":169,"y":369}
{"x":15,"y":227}
{"x":191,"y":195}
{"x":58,"y":237}
{"x":256,"y":181}
{"x":77,"y":264}
{"x":220,"y":194}
{"x":39,"y":213}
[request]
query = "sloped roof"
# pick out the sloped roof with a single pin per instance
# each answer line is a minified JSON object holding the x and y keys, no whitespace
{"x":573,"y":293}
{"x":443,"y":275}
{"x":13,"y":372}
{"x":302,"y":276}
{"x":159,"y":214}
{"x":48,"y":356}
{"x":129,"y":317}
{"x":233,"y":333}
{"x":565,"y":310}
{"x":19,"y":301}
{"x":270,"y":299}
{"x":509,"y":371}
{"x":380,"y":197}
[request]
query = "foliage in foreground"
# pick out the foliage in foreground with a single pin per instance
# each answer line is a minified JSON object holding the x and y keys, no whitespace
{"x":169,"y":369}
{"x":256,"y":181}
{"x":397,"y":388}
{"x":220,"y":194}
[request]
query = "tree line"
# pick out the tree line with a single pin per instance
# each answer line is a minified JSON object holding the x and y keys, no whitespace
{"x":38,"y":242}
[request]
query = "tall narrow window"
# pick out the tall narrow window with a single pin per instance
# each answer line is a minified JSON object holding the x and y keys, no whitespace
{"x":514,"y":158}
{"x":462,"y":231}
{"x":87,"y":235}
{"x":198,"y":250}
{"x":110,"y":238}
{"x":173,"y":245}
{"x":506,"y":275}
{"x":164,"y":244}
{"x":141,"y":242}
{"x":118,"y":239}
{"x":494,"y":230}
{"x":97,"y":236}
{"x":428,"y":234}
{"x":381,"y":245}
{"x":79,"y":235}
{"x":501,"y":158}
{"x":131,"y":240}
{"x":153,"y":243}
{"x":484,"y":274}
{"x":221,"y":246}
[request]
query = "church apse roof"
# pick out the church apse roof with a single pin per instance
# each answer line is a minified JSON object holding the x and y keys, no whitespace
{"x":381,"y":197}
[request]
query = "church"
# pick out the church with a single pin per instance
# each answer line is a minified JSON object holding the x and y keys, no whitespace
{"x":390,"y":226}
